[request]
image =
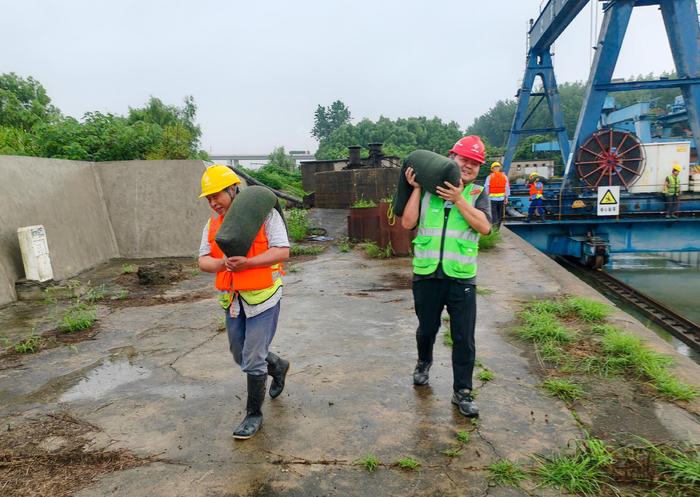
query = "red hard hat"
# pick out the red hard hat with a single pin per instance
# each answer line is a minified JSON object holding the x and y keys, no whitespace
{"x":470,"y":147}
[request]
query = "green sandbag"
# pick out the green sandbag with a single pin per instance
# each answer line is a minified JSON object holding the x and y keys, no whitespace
{"x":244,"y":218}
{"x":432,"y":170}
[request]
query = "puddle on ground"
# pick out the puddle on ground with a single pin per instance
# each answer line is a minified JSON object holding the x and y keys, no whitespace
{"x":93,"y":381}
{"x":105,"y":378}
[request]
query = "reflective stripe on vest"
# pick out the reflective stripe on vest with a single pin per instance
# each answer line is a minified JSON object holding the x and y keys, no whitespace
{"x":497,"y":185}
{"x":536,"y":190}
{"x":460,"y":243}
{"x":674,"y":185}
{"x":254,"y":285}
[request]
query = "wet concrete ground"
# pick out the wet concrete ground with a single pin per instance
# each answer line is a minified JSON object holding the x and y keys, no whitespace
{"x":159,"y":380}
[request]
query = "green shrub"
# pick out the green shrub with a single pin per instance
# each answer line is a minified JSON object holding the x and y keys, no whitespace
{"x":29,"y":345}
{"x":363,"y":204}
{"x":344,"y":244}
{"x":487,"y":242}
{"x":78,"y":317}
{"x":374,"y":251}
{"x":297,"y":224}
{"x":128,"y":268}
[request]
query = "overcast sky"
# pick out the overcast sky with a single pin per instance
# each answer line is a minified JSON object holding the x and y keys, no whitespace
{"x":257,"y":70}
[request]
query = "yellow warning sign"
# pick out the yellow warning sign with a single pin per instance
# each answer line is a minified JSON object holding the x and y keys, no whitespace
{"x":608,"y":199}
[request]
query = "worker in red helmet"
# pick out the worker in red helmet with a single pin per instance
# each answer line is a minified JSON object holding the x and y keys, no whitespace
{"x":444,"y":266}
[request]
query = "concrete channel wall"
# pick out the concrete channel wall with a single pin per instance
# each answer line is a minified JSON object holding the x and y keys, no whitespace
{"x":93,"y":212}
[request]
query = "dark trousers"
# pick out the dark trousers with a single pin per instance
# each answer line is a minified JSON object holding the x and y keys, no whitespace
{"x":497,"y":209}
{"x":431,"y":296}
{"x":536,"y":204}
{"x":672,"y":203}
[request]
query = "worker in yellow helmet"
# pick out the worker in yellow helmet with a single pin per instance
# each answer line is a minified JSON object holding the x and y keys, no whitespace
{"x":252,"y":309}
{"x":672,"y":190}
{"x":498,"y":188}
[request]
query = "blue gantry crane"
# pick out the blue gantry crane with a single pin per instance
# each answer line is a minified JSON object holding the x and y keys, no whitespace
{"x":599,"y":154}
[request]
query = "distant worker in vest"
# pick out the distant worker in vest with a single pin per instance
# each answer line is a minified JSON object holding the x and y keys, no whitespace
{"x":498,"y":189}
{"x":536,"y":194}
{"x":672,"y":190}
{"x":250,"y":302}
{"x":444,"y":266}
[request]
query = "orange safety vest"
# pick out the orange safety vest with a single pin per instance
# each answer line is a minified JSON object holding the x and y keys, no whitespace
{"x":536,"y":191}
{"x":258,"y":278}
{"x":497,"y":184}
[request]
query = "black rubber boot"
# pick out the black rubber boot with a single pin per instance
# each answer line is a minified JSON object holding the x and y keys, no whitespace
{"x":277,"y":368}
{"x":467,"y":407}
{"x":253,"y":420}
{"x":420,"y":374}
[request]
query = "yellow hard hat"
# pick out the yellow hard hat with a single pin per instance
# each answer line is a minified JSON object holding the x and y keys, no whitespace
{"x":217,"y":178}
{"x":495,"y":164}
{"x":677,"y":167}
{"x":533,"y":174}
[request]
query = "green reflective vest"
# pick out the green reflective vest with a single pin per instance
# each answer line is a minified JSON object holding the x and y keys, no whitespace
{"x":446,"y":239}
{"x":674,"y":185}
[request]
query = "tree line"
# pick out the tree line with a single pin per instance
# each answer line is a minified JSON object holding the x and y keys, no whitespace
{"x":31,"y":125}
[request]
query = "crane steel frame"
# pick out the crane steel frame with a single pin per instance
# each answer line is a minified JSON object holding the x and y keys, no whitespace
{"x":680,"y":19}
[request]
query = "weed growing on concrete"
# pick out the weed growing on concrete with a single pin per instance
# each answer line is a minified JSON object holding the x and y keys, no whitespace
{"x":222,"y":324}
{"x":478,"y":364}
{"x":625,"y":351}
{"x":128,"y":268}
{"x":543,"y":327}
{"x":344,"y":244}
{"x":565,"y":390}
{"x":363,"y":204}
{"x":584,"y":472}
{"x":505,"y":472}
{"x":487,"y":242}
{"x":369,"y":462}
{"x":447,"y":338}
{"x":453,"y":452}
{"x":122,"y":294}
{"x":485,"y":375}
{"x":680,"y":468}
{"x":463,"y":436}
{"x":95,"y":293}
{"x":484,"y":291}
{"x":587,"y":310}
{"x":79,"y":316}
{"x":29,"y":345}
{"x":375,"y":252}
{"x":297,"y":224}
{"x":550,"y":351}
{"x":407,"y":463}
{"x":306,"y":250}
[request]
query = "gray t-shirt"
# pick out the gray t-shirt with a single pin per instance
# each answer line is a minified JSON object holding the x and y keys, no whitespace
{"x":276,"y":233}
{"x":484,"y":205}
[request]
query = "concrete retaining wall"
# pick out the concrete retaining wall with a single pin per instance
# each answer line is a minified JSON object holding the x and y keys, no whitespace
{"x":93,"y":212}
{"x":65,"y":197}
{"x":154,"y":207}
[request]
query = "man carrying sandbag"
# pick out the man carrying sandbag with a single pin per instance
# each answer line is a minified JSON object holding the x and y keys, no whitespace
{"x":444,"y":265}
{"x":250,"y":292}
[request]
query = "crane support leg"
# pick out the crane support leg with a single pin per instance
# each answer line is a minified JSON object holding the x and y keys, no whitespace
{"x":681,"y":21}
{"x":538,"y":64}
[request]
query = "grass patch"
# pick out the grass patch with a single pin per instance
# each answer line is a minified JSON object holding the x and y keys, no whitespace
{"x":453,"y":452}
{"x":363,"y":204}
{"x":542,"y":327}
{"x":625,"y":351}
{"x":297,"y":224}
{"x":344,"y":244}
{"x":29,"y":345}
{"x":463,"y":436}
{"x":407,"y":463}
{"x":305,"y":250}
{"x":128,"y":268}
{"x":374,"y":251}
{"x":565,"y":390}
{"x":484,"y":291}
{"x":369,"y":462}
{"x":551,"y":351}
{"x":583,"y":473}
{"x":485,"y":375}
{"x":487,"y":242}
{"x":79,"y":316}
{"x":505,"y":472}
{"x":447,"y":338}
{"x":94,"y":294}
{"x":587,"y":310}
